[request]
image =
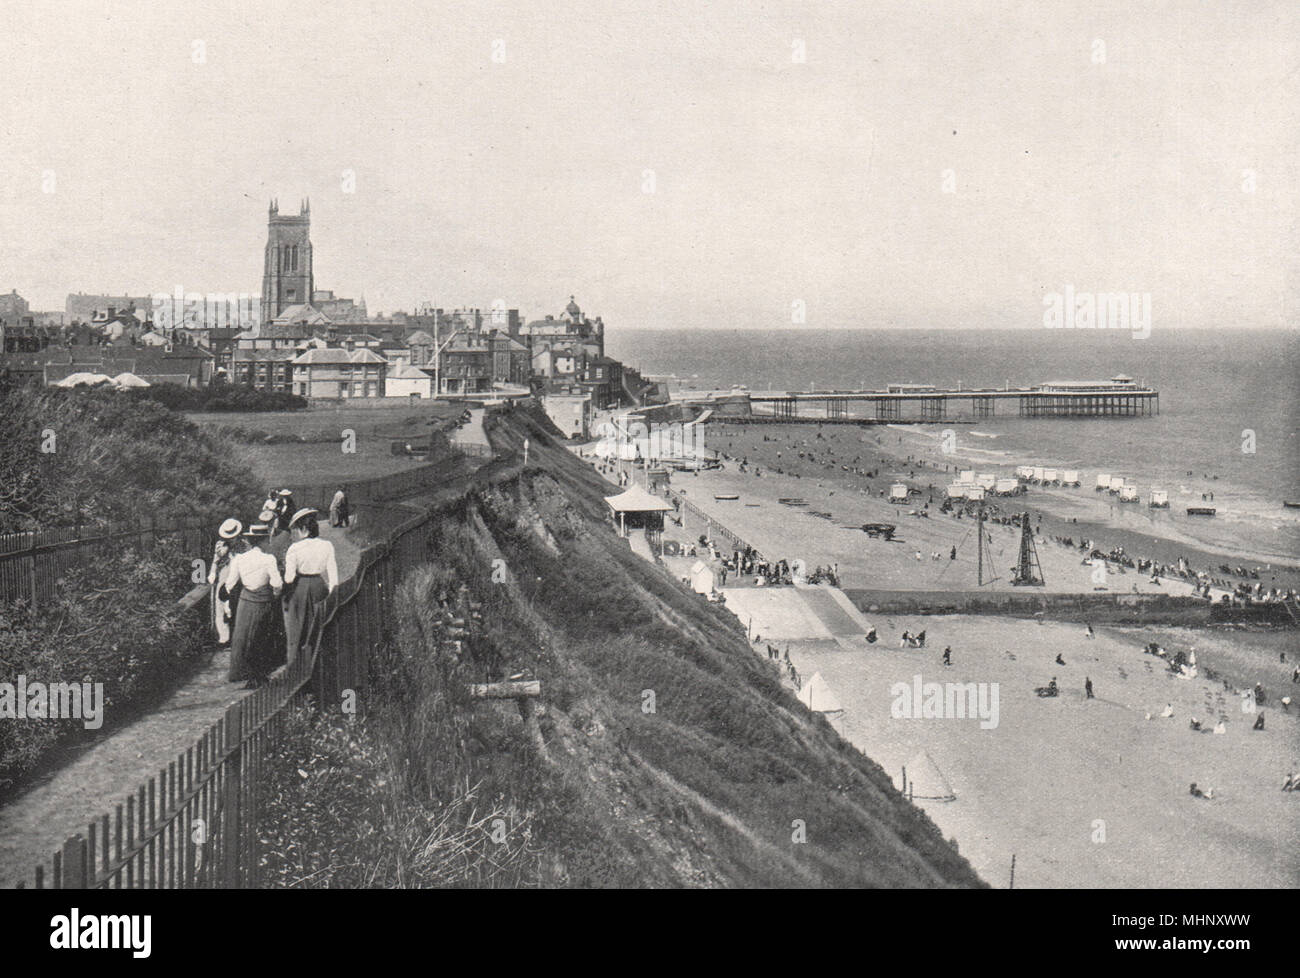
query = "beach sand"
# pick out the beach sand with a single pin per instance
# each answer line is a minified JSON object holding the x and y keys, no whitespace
{"x":1084,"y":793}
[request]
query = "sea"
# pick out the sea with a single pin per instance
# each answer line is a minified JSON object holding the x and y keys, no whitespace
{"x":1229,"y":421}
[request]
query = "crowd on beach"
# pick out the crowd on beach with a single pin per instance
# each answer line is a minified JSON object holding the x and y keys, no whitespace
{"x":1246,"y":589}
{"x":271,"y":610}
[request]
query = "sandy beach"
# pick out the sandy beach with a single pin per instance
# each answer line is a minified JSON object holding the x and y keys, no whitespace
{"x":1083,"y":792}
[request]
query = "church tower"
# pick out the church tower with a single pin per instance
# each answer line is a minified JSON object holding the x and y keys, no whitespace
{"x":287,"y":276}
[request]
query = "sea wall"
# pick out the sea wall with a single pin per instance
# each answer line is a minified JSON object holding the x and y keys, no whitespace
{"x":1132,"y":609}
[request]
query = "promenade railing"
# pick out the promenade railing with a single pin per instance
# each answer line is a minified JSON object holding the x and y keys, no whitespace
{"x":31,"y":563}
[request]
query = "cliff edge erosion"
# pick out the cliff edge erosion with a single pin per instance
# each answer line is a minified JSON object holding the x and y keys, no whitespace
{"x":661,"y":751}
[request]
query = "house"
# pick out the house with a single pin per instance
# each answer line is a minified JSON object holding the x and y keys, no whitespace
{"x":421,"y":345}
{"x":13,"y":308}
{"x":603,"y":377}
{"x":511,"y":362}
{"x":403,"y":380}
{"x":339,"y":373}
{"x":301,"y":315}
{"x":395,"y":352}
{"x":570,"y":411}
{"x":267,"y":370}
{"x":272,"y":337}
{"x":465,"y":366}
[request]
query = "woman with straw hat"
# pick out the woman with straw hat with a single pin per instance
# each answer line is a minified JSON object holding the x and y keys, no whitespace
{"x":255,"y":576}
{"x":311,"y":575}
{"x":222,"y":613}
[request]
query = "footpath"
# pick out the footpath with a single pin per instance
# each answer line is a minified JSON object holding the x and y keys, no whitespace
{"x":99,"y":774}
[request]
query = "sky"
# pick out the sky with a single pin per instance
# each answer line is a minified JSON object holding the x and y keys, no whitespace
{"x":710,"y":165}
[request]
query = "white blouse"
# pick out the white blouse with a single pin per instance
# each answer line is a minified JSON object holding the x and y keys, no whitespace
{"x":311,"y":556}
{"x":253,"y":569}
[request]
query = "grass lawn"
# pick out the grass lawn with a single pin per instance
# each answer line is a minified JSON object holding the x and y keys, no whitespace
{"x":320,"y":459}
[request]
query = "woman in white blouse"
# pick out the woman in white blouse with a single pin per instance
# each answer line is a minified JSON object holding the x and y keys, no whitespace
{"x":227,"y":539}
{"x":256,"y":577}
{"x":311,"y":575}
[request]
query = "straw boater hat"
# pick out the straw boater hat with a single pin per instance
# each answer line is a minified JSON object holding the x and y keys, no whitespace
{"x":266,"y":515}
{"x":258,"y":530}
{"x":286,"y":492}
{"x":230,"y":529}
{"x":301,"y":514}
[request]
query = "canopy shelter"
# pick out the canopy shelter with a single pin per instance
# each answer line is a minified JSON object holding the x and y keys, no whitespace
{"x":636,"y":509}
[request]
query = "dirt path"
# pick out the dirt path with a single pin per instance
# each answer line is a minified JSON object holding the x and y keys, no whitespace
{"x":99,"y":775}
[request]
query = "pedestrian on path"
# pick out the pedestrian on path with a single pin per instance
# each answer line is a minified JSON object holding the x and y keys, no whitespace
{"x":311,"y":575}
{"x":222,"y":613}
{"x":339,"y":511}
{"x":254,"y":581}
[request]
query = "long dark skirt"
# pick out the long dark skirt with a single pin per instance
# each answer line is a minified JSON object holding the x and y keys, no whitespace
{"x":255,"y":639}
{"x":304,"y":615}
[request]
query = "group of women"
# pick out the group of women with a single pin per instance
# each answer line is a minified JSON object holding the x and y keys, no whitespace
{"x":266,"y":616}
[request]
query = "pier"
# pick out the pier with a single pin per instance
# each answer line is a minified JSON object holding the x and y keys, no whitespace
{"x":1119,"y":397}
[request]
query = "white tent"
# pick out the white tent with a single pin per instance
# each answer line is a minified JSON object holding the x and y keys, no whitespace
{"x":128,"y":379}
{"x":818,"y":697}
{"x":702,"y":578}
{"x":925,"y":780}
{"x":83,"y":377}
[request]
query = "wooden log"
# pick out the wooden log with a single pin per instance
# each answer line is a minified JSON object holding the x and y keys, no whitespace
{"x":505,"y":690}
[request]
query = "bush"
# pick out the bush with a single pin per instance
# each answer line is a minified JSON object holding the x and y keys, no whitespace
{"x":218,"y":397}
{"x":86,"y":456}
{"x":114,"y":620}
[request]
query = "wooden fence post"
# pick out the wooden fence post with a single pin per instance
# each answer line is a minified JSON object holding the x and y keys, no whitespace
{"x":74,"y":863}
{"x":230,"y":802}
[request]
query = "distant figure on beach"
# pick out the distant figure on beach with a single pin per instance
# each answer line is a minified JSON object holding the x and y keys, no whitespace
{"x":1091,"y":633}
{"x":1059,"y":661}
{"x":1259,"y":722}
{"x":953,"y":554}
{"x":1087,"y":688}
{"x":905,"y":640}
{"x":947,"y":655}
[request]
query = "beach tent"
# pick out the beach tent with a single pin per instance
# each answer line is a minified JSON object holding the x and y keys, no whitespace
{"x":967,"y":475}
{"x":702,"y":578}
{"x":956,"y":491}
{"x":1050,"y":475}
{"x":898,"y":493}
{"x":1008,"y":487}
{"x":818,"y":697}
{"x":1103,"y":480}
{"x":926,"y":781}
{"x":1159,"y":498}
{"x":1070,"y":478}
{"x":83,"y":377}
